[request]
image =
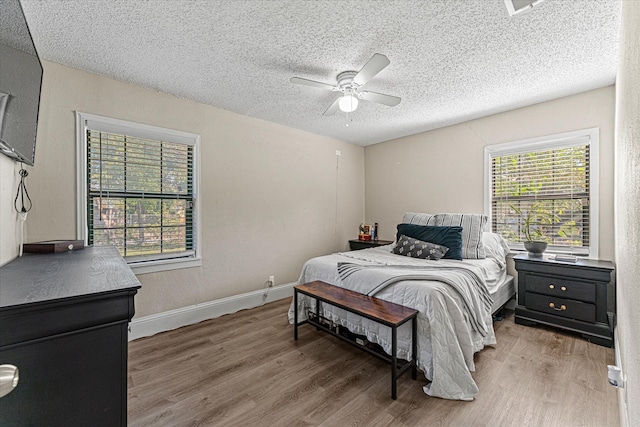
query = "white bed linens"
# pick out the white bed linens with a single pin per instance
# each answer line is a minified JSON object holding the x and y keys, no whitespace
{"x":447,"y":340}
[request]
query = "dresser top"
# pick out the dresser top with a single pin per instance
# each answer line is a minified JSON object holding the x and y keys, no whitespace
{"x":37,"y":278}
{"x":581,"y":262}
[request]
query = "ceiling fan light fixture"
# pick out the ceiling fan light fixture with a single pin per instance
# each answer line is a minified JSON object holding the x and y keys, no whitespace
{"x":348,"y":103}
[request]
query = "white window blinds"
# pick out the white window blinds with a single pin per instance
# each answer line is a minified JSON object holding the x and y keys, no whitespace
{"x":551,"y":179}
{"x":140,"y":195}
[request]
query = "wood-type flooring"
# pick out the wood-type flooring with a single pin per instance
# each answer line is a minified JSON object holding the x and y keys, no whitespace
{"x":245,"y":369}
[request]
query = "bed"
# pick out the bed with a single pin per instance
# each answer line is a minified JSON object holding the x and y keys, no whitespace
{"x":455,"y":299}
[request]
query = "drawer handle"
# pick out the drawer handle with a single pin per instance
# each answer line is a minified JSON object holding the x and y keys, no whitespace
{"x":552,"y":287}
{"x":562,"y":307}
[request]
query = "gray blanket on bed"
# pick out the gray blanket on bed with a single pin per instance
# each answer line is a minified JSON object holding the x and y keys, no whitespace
{"x":370,"y":279}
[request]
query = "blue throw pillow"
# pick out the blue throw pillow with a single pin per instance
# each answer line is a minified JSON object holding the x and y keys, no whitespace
{"x":450,"y":237}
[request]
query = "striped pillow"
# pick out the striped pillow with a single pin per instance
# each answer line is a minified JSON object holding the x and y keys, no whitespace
{"x":419,"y":218}
{"x":472,"y":228}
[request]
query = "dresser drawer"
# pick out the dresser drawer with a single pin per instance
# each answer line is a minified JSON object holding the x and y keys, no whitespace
{"x":561,"y":307}
{"x":559,"y":287}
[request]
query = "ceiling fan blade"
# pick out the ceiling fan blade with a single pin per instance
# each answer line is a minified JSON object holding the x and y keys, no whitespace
{"x":332,"y":109}
{"x":376,"y":64}
{"x":381,"y":98}
{"x":313,"y":83}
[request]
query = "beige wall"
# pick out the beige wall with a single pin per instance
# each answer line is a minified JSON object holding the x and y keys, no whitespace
{"x":442,"y":170}
{"x":627,"y":210}
{"x":270,"y":196}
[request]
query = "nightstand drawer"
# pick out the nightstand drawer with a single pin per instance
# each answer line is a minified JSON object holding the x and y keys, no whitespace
{"x":563,"y":288}
{"x":561,"y":307}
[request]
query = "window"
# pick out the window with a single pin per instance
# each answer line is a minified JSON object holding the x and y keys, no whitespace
{"x":138,"y":186}
{"x":555,"y":177}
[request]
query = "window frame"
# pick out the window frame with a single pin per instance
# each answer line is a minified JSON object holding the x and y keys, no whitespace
{"x":589,"y":136}
{"x":86,"y":121}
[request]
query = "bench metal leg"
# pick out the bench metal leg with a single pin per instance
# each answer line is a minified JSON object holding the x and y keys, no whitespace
{"x":414,"y":348}
{"x":295,"y":314}
{"x":394,"y":361}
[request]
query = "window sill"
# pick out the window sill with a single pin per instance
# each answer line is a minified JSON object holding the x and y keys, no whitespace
{"x":164,"y":265}
{"x":514,"y":252}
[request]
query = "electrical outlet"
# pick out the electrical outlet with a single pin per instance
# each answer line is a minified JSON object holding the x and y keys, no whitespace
{"x":272,"y":281}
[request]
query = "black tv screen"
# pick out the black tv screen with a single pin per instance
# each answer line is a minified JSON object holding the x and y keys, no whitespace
{"x":20,"y":83}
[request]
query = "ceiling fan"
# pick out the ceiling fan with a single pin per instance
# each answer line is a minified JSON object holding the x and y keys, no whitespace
{"x":350,"y":83}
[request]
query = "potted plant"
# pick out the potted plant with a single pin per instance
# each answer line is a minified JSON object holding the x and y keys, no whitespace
{"x":535,"y":240}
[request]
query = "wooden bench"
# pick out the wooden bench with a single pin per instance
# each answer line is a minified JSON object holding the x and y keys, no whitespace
{"x":380,"y":311}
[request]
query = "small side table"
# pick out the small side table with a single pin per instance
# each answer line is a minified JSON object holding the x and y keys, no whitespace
{"x":357,"y":244}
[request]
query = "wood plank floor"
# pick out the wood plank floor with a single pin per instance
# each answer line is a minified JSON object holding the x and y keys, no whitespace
{"x":245,"y":369}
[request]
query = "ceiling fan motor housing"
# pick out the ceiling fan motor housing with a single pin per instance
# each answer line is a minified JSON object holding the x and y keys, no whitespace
{"x":345,"y":82}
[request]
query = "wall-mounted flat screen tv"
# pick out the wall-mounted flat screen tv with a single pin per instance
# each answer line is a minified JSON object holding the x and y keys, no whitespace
{"x":20,"y":83}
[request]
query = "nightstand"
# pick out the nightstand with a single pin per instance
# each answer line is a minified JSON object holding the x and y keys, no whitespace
{"x":357,"y":244}
{"x":568,"y":295}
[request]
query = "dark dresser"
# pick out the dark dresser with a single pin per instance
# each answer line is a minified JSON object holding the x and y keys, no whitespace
{"x":568,"y":295}
{"x":64,"y":323}
{"x":356,"y":245}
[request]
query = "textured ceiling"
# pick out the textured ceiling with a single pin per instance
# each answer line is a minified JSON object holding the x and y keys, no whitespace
{"x":13,"y":33}
{"x":451,"y":60}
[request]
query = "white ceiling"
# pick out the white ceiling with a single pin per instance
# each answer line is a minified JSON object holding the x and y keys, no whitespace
{"x":451,"y":60}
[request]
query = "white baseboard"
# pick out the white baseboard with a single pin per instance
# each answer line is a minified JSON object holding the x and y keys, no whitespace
{"x":173,"y":319}
{"x":622,"y":392}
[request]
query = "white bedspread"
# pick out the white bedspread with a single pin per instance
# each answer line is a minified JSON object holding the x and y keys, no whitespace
{"x":446,"y":338}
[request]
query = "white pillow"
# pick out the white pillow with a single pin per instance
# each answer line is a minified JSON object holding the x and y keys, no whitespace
{"x":495,"y":246}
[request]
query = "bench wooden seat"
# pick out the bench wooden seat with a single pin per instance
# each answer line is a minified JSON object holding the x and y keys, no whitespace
{"x":375,"y":309}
